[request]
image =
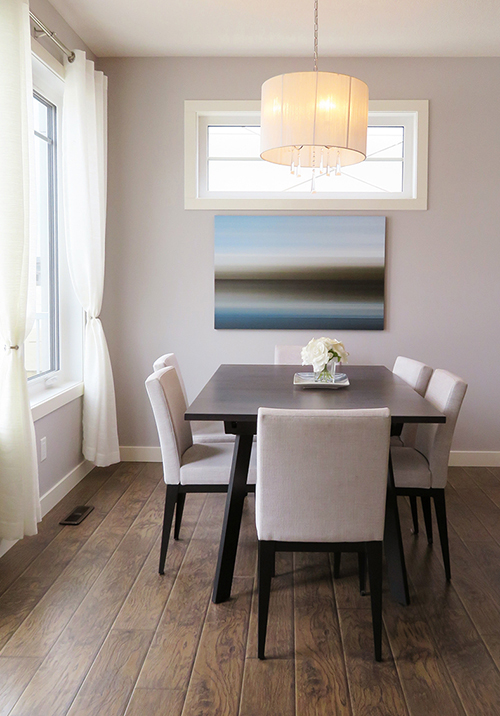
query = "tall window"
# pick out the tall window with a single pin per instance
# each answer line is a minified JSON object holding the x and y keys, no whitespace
{"x":42,"y":345}
{"x":54,"y":349}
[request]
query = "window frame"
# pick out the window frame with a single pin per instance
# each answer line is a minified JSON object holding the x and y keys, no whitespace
{"x":53,"y":389}
{"x":198,"y":113}
{"x":53,"y":253}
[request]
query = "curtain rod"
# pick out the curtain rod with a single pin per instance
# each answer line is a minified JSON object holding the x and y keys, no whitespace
{"x":52,"y":36}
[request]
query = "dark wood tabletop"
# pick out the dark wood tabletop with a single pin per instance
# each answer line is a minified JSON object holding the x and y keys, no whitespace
{"x":236,"y":392}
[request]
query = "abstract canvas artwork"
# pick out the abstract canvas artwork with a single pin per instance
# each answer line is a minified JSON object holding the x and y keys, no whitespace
{"x":299,"y":272}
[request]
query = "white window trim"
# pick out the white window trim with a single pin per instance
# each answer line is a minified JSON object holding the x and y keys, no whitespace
{"x":46,"y":403}
{"x":52,"y":391}
{"x":196,"y":110}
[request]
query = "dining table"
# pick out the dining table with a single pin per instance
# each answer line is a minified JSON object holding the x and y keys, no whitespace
{"x":234,"y":395}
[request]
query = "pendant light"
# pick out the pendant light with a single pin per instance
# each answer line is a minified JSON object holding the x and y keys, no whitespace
{"x":314,"y":119}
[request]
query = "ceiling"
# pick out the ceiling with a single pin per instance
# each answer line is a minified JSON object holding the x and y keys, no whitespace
{"x":254,"y":28}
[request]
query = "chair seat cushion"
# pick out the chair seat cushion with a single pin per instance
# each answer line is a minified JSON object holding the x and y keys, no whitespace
{"x":210,"y":431}
{"x":210,"y":464}
{"x":411,"y":469}
{"x":396,"y":441}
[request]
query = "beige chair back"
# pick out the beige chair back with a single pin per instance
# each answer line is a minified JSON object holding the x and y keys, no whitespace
{"x":446,"y":393}
{"x":322,"y":474}
{"x":169,"y":405}
{"x":417,"y":375}
{"x":413,"y":372}
{"x":167,"y":360}
{"x":287,"y":355}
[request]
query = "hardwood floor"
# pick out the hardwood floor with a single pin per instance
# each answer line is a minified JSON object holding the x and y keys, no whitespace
{"x":87,"y":626}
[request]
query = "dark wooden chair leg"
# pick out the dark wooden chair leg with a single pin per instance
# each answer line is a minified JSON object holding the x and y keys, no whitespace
{"x":426,"y":509}
{"x":181,"y":499}
{"x":362,"y":572}
{"x":265,"y":574}
{"x":440,"y":507}
{"x":414,"y":514}
{"x":374,"y":553}
{"x":337,"y":556}
{"x":170,"y":500}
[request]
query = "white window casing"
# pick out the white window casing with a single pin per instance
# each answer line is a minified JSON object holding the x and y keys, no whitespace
{"x":199,"y":115}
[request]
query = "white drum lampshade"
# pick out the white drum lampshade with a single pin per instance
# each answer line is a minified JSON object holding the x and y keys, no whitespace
{"x":315,"y":119}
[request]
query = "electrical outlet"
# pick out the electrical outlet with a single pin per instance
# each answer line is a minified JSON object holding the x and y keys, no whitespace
{"x":43,"y":449}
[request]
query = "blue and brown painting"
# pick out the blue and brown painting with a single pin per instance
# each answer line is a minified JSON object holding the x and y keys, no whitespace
{"x":299,"y":272}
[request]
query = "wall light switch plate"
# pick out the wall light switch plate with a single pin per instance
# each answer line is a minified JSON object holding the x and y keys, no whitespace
{"x":43,"y":449}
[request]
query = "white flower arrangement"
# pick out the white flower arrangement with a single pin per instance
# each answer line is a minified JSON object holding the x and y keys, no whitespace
{"x":320,"y":351}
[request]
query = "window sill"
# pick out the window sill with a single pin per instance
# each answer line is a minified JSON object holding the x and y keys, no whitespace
{"x":54,"y":398}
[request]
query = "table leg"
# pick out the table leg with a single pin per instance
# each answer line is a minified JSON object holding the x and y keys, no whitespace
{"x":232,"y":518}
{"x":393,"y":545}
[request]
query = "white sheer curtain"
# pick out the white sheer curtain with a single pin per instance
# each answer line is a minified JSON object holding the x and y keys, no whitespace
{"x":84,"y":177}
{"x":19,"y":499}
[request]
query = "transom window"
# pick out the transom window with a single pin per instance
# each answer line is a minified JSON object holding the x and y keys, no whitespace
{"x":224,"y":169}
{"x":234,"y":165}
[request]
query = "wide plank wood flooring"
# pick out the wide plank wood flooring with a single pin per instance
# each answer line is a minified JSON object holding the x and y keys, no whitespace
{"x":88,"y":627}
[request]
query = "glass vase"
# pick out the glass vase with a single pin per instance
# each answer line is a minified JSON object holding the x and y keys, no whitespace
{"x":327,"y":375}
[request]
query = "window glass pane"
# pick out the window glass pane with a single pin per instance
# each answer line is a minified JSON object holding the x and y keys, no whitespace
{"x":41,"y":354}
{"x":259,"y":176}
{"x":40,"y":114}
{"x":234,"y":165}
{"x":251,"y":175}
{"x":245,"y":142}
{"x":234,"y":142}
{"x":385,"y":142}
{"x":376,"y":176}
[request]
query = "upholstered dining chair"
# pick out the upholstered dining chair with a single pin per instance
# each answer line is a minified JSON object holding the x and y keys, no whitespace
{"x":204,"y":431}
{"x":321,"y":486}
{"x":422,"y":470}
{"x":417,"y":375}
{"x":287,"y":355}
{"x":187,"y":466}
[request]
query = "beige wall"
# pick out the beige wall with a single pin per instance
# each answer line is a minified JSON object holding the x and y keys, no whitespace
{"x":63,"y":430}
{"x":442,"y":290}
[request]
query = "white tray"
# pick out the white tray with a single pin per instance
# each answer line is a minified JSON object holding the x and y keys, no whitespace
{"x":306,"y":380}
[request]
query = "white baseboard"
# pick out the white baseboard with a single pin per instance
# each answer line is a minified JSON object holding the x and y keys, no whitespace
{"x":61,"y":489}
{"x":474,"y":458}
{"x":55,"y":495}
{"x":458,"y":458}
{"x":131,"y":453}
